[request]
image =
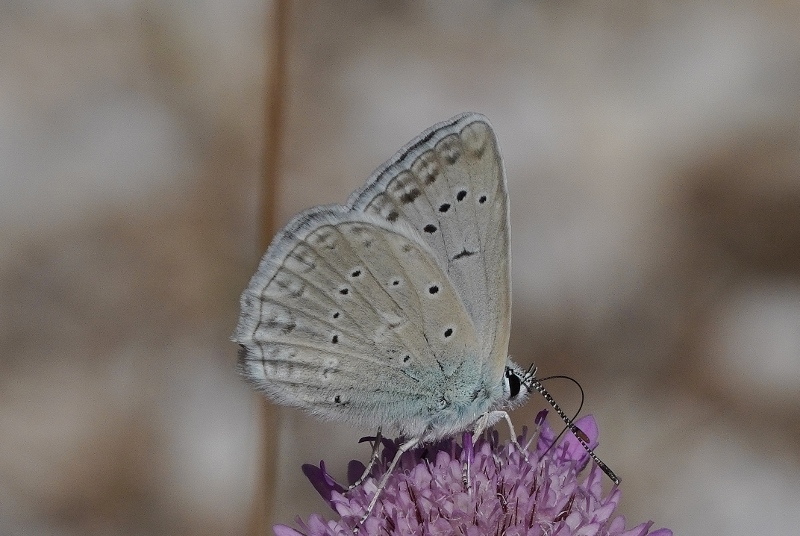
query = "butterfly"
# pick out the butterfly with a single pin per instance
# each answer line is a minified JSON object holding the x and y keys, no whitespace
{"x":393,"y":311}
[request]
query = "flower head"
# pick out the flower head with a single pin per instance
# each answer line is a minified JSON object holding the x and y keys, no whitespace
{"x":473,"y":489}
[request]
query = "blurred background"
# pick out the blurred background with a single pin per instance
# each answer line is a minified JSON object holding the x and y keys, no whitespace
{"x":653,"y":159}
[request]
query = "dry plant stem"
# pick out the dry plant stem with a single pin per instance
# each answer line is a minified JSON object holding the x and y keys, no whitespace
{"x":264,"y":497}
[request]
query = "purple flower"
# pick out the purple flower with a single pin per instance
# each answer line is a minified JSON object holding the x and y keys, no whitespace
{"x":478,"y":489}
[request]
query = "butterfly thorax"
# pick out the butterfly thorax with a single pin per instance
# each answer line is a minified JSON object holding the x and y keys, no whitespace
{"x":463,"y":397}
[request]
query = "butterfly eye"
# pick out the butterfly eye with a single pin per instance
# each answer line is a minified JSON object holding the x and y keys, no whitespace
{"x":513,"y":383}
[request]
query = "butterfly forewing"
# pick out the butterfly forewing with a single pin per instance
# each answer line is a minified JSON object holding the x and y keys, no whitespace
{"x":449,"y":185}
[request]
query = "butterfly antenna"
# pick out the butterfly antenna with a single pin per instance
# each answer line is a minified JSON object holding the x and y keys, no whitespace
{"x":532,"y":383}
{"x":580,"y":406}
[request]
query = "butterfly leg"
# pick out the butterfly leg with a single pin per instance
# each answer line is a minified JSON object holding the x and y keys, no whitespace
{"x":411,"y":443}
{"x":492,"y":417}
{"x":372,"y":459}
{"x":466,"y":478}
{"x":534,"y":437}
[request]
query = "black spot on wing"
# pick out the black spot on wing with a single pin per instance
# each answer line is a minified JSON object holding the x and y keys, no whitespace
{"x":464,"y":253}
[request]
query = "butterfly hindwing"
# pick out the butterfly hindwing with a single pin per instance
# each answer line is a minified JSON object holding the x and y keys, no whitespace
{"x":342,"y":301}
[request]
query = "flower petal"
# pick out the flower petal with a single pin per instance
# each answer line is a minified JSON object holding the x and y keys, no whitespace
{"x":482,"y":487}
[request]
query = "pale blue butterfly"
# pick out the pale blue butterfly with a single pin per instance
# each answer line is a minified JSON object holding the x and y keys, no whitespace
{"x":394,"y":310}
